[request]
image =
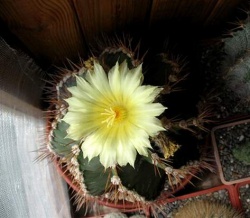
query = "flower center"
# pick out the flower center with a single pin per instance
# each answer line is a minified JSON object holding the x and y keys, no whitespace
{"x":114,"y":114}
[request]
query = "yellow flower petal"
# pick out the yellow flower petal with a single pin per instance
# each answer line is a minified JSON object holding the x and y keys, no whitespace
{"x":147,"y":94}
{"x":113,"y":114}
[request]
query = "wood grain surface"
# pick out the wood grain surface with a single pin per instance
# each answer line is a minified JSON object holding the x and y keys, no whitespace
{"x":55,"y":30}
{"x":98,"y":17}
{"x":221,"y":11}
{"x":48,"y":28}
{"x":198,"y":12}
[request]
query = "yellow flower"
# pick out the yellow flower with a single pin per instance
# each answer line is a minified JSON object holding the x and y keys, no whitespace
{"x":114,"y":115}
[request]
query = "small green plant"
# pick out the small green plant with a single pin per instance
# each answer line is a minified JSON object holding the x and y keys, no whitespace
{"x":206,"y":209}
{"x":242,"y":152}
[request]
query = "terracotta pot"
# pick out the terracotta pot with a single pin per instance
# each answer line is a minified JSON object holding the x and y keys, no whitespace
{"x":124,"y":206}
{"x":218,"y":148}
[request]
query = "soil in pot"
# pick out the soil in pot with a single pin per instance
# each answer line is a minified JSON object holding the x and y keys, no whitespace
{"x":226,"y":139}
{"x":244,"y":195}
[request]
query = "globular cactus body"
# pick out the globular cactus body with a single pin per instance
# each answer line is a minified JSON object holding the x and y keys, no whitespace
{"x":206,"y":209}
{"x":235,"y":63}
{"x":141,"y":182}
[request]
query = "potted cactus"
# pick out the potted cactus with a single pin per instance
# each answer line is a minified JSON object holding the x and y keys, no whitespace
{"x":235,"y":62}
{"x":204,"y":208}
{"x":225,"y":63}
{"x":117,"y":140}
{"x":221,"y":199}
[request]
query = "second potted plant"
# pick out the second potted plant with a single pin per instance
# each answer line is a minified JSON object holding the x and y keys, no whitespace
{"x":231,"y":148}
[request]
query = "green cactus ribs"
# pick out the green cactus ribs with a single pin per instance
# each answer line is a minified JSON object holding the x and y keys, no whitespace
{"x":172,"y":144}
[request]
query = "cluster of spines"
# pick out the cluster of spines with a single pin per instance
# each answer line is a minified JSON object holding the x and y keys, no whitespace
{"x":205,"y":208}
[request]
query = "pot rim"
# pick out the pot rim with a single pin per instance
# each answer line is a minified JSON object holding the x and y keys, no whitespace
{"x":126,"y":206}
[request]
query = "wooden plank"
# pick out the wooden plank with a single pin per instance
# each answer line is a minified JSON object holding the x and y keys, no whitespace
{"x":222,"y":10}
{"x":48,"y":28}
{"x":188,"y":10}
{"x":103,"y":17}
{"x":198,"y":12}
